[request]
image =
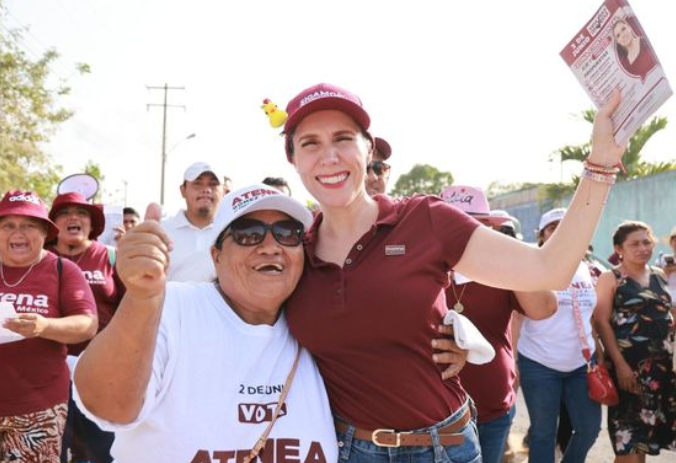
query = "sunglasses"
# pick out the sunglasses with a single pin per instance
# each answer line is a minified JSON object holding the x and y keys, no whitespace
{"x":379,"y":168}
{"x":250,"y":232}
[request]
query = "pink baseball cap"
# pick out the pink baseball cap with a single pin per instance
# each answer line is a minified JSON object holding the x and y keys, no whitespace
{"x":473,"y":202}
{"x":323,"y":97}
{"x":28,"y":204}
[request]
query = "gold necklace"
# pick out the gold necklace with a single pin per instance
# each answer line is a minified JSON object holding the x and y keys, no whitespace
{"x":2,"y":273}
{"x":458,"y":307}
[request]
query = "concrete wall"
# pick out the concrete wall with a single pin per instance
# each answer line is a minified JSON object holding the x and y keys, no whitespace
{"x":650,"y":199}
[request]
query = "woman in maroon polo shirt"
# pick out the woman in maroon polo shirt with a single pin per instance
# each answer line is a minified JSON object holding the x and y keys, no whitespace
{"x":54,"y":307}
{"x":372,"y":292}
{"x":491,"y":385}
{"x":80,"y":223}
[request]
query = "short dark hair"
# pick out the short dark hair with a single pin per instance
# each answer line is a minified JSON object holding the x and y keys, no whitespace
{"x":628,"y":227}
{"x":277,"y":182}
{"x":130,"y":210}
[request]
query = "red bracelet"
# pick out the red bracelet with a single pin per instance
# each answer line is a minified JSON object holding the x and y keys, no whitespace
{"x":597,"y":167}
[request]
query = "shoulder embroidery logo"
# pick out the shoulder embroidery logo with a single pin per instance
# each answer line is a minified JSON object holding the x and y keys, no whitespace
{"x":395,"y":249}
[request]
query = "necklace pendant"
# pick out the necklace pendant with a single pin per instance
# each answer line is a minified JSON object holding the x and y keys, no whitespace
{"x":458,"y":307}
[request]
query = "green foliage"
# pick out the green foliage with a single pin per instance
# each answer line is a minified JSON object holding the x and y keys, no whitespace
{"x":424,"y":179}
{"x":634,"y":166}
{"x":498,"y":189}
{"x":29,"y":114}
{"x":94,"y":170}
{"x":557,"y":191}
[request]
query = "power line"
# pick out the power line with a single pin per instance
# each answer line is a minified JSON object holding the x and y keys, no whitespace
{"x":19,"y":35}
{"x":164,"y":105}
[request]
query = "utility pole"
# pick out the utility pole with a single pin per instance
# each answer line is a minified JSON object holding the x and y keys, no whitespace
{"x":164,"y":105}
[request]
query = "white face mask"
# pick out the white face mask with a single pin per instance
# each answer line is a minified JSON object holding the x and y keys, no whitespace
{"x":460,"y":279}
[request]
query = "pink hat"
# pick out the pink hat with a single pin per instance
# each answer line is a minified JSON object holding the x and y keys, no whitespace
{"x":382,"y":147}
{"x":472,"y":201}
{"x":322,"y":97}
{"x":27,"y":204}
{"x":77,"y":199}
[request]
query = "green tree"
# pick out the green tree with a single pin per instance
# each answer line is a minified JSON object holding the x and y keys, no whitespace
{"x":422,"y":178}
{"x":496,"y":188}
{"x":93,"y":169}
{"x":634,"y":165}
{"x":29,"y":114}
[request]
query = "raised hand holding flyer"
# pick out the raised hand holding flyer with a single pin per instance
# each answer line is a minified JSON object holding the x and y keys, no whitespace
{"x":612,"y":51}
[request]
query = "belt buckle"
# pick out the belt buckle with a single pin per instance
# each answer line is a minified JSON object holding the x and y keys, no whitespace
{"x":397,"y":442}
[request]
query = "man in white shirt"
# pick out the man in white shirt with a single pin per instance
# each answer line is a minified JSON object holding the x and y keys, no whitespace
{"x":194,"y":229}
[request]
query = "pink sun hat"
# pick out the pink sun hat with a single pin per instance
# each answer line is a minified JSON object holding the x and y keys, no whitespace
{"x":472,"y":201}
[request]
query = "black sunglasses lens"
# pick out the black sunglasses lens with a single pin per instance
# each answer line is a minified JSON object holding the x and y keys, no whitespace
{"x":379,"y":168}
{"x":288,"y":232}
{"x":250,"y":232}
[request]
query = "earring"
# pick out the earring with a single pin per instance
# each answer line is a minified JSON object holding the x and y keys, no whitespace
{"x":621,"y":256}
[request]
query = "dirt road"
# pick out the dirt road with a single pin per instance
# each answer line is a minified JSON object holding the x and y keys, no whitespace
{"x":600,"y":453}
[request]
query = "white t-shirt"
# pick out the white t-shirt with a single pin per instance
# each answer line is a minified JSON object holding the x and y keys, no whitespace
{"x":190,"y":260}
{"x":214,"y":386}
{"x":554,"y":342}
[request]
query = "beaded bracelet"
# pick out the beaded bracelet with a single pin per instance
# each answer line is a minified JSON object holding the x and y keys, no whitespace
{"x":608,"y":178}
{"x":605,"y":170}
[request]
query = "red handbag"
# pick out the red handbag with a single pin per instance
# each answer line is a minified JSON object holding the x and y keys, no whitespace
{"x":601,"y":387}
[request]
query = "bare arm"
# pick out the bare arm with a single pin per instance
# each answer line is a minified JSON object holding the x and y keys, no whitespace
{"x":520,"y":267}
{"x":517,"y":322}
{"x":113,"y":373}
{"x":66,"y":330}
{"x":538,"y":305}
{"x":605,"y":291}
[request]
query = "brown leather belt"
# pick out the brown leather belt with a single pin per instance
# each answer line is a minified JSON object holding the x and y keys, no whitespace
{"x":448,"y":435}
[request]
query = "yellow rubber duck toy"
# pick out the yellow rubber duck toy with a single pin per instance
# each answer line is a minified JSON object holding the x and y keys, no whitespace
{"x":277,"y":116}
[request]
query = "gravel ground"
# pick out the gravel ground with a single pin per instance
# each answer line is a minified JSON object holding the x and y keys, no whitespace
{"x":601,"y":452}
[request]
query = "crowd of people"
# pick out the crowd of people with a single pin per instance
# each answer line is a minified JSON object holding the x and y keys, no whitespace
{"x":246,"y":326}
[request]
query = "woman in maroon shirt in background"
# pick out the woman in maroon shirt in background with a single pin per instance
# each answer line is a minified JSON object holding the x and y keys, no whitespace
{"x":80,"y":223}
{"x":491,"y":385}
{"x":54,"y":307}
{"x":372,"y":292}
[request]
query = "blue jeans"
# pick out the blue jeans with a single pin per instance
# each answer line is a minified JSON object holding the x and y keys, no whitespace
{"x":353,"y":450}
{"x":493,"y":436}
{"x":544,"y":389}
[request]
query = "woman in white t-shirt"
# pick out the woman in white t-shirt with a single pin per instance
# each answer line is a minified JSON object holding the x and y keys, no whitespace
{"x":552,"y":368}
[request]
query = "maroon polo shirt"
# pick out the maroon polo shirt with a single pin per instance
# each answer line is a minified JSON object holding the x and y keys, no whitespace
{"x":33,"y":372}
{"x":490,"y":385}
{"x":102,"y":278}
{"x":370,"y":323}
